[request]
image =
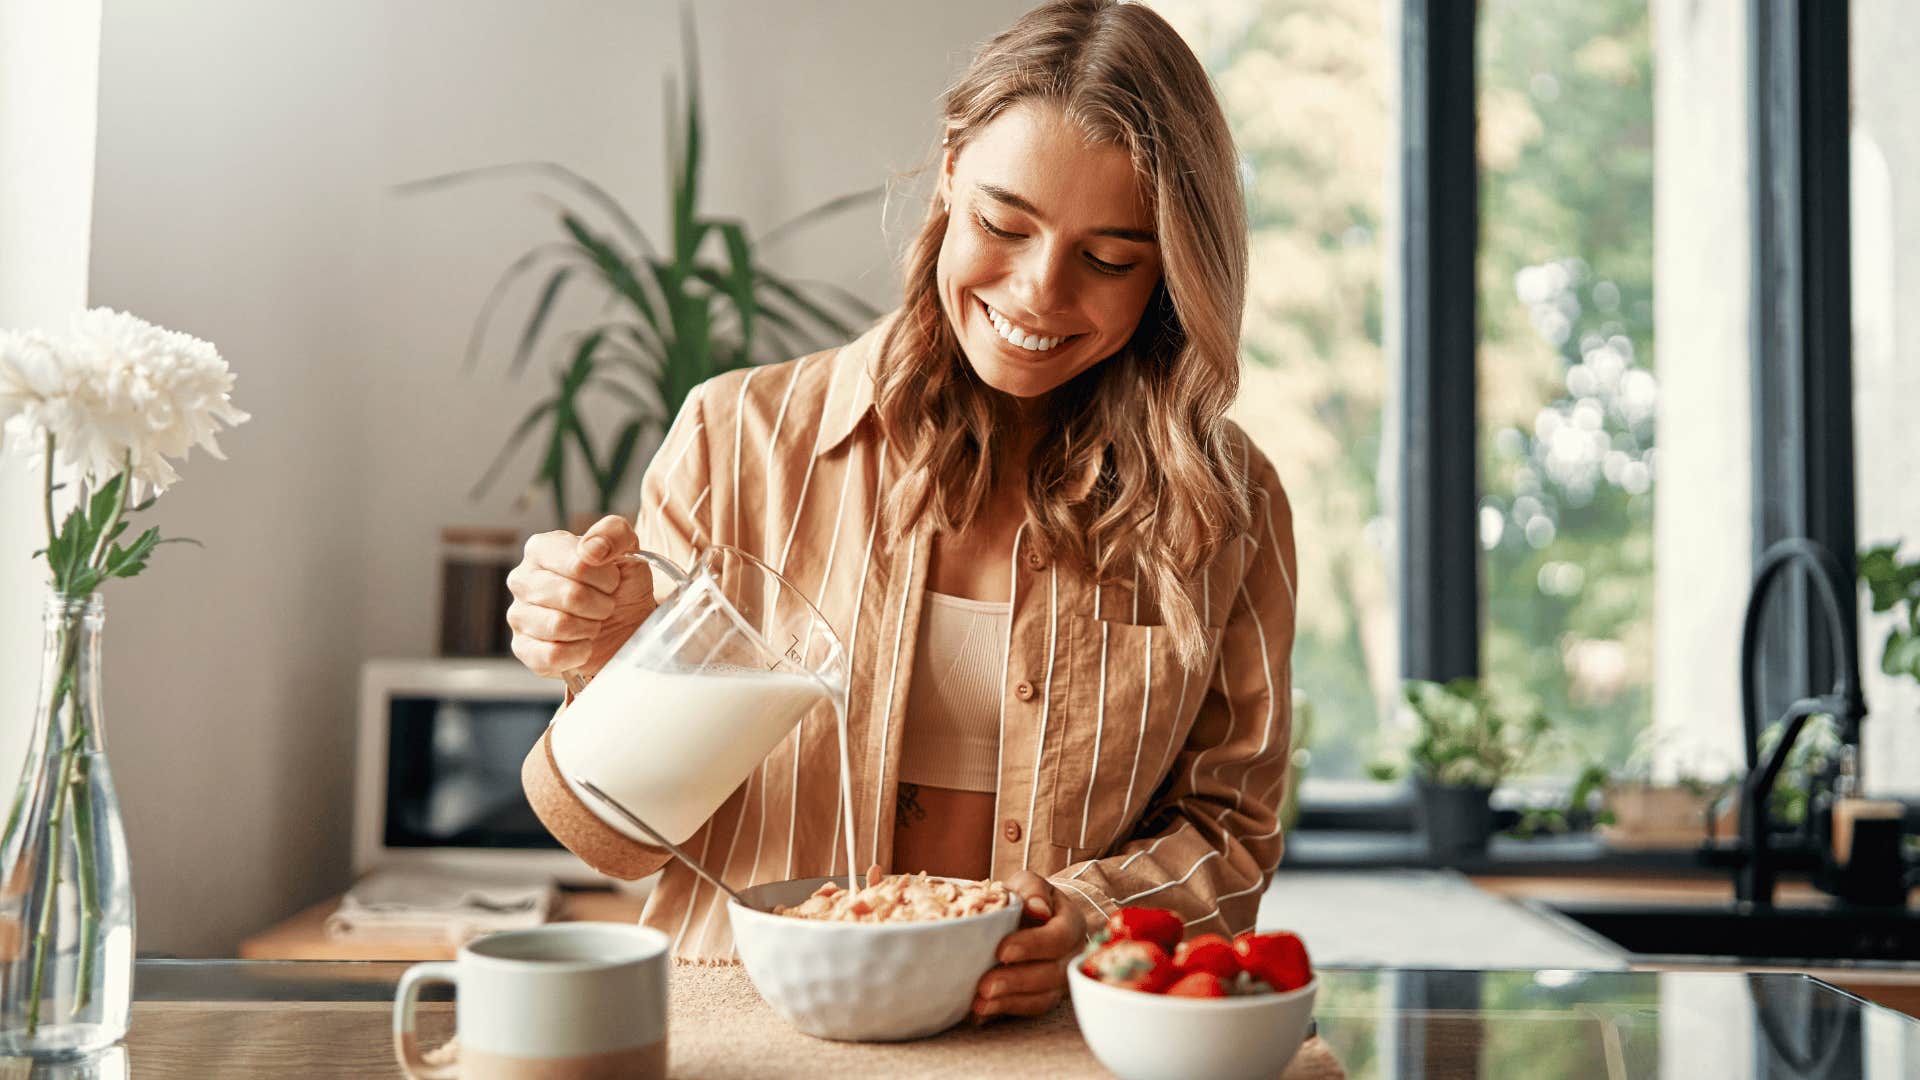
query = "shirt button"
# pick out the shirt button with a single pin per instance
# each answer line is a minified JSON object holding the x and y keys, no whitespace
{"x":1011,"y":830}
{"x":1035,"y":561}
{"x":1023,"y":690}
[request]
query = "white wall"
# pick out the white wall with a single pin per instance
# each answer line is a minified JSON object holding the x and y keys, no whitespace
{"x":246,"y":155}
{"x":1703,"y":500}
{"x":49,"y":80}
{"x":1886,"y":341}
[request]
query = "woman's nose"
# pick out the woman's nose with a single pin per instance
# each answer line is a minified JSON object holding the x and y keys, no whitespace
{"x":1041,"y":283}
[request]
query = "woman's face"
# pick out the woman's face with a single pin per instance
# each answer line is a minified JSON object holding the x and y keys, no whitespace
{"x":1049,"y":257}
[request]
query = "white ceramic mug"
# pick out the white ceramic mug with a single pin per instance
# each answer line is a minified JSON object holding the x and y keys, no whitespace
{"x":567,"y":1001}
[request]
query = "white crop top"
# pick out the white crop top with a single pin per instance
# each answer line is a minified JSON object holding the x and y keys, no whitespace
{"x":952,"y":736}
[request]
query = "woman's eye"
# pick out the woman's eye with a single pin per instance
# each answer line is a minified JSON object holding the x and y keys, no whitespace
{"x":1114,"y":269}
{"x":995,"y":230}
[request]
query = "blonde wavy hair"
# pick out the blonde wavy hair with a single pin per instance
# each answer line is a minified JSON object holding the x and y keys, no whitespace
{"x":1152,"y":417}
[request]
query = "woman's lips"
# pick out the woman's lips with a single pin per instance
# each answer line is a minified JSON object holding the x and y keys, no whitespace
{"x":985,"y":312}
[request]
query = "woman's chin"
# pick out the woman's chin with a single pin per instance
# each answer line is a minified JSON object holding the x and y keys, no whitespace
{"x":1017,"y":372}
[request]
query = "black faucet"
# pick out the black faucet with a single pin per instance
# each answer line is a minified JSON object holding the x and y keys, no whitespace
{"x":1760,"y":864}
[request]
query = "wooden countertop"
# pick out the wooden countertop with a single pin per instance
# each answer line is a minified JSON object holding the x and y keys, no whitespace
{"x":304,"y":936}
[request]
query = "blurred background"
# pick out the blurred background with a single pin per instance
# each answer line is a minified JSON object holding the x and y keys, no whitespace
{"x":235,"y":171}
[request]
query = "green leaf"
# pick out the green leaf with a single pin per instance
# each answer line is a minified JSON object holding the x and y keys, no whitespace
{"x":130,"y":561}
{"x":793,"y":295}
{"x":614,"y":268}
{"x":551,"y":292}
{"x":836,"y":205}
{"x":105,"y":501}
{"x":553,"y":170}
{"x":1902,"y":655}
{"x":477,"y":336}
{"x":739,"y":281}
{"x":617,"y":462}
{"x":520,"y":433}
{"x":687,"y":234}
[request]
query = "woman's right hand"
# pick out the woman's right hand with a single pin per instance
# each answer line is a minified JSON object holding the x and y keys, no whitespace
{"x":575,"y":600}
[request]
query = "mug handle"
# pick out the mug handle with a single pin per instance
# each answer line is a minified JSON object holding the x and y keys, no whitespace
{"x":405,"y":1044}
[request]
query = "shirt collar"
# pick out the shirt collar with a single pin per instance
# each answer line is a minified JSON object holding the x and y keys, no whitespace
{"x":856,"y":361}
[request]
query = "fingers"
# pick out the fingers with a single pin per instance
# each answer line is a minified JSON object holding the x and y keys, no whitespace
{"x":562,"y":599}
{"x":1035,"y":893}
{"x":609,"y":537}
{"x":551,"y":659}
{"x":550,"y":589}
{"x":1038,"y":1004}
{"x":1062,"y":935}
{"x":550,"y":624}
{"x":1020,"y":989}
{"x":1032,"y":977}
{"x":561,"y":554}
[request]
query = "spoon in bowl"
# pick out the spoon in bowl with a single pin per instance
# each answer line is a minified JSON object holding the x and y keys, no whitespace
{"x":613,"y":804}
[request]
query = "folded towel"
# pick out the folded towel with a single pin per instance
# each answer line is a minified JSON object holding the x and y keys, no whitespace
{"x":418,"y":904}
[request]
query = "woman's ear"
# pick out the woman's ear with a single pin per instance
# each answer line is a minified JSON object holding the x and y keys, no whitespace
{"x":946,"y":178}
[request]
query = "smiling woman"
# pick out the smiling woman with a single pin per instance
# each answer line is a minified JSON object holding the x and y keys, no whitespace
{"x":1064,"y":578}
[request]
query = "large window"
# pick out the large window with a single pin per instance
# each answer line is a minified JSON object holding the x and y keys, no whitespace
{"x":1628,"y":390}
{"x":1308,"y":86}
{"x":1568,"y":391}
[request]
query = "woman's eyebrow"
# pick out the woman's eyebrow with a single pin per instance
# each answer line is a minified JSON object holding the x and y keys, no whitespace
{"x":1008,"y":198}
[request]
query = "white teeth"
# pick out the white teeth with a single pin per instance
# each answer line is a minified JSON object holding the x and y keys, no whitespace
{"x":1016,"y":336}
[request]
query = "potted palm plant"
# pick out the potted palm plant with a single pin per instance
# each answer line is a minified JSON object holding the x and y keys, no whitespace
{"x":675,"y":314}
{"x":1465,"y":745}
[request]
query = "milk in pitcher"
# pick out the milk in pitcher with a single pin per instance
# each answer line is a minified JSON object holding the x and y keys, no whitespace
{"x":672,"y":745}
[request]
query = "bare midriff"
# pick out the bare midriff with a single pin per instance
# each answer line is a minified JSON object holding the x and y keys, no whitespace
{"x":943,"y":832}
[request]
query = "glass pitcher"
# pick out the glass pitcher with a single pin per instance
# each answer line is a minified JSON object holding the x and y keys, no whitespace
{"x":728,"y":663}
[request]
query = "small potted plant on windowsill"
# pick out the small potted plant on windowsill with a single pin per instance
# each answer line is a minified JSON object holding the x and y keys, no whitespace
{"x":1676,"y":811}
{"x":1465,"y":745}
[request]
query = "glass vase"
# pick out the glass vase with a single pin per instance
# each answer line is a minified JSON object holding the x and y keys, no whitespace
{"x":66,"y":896}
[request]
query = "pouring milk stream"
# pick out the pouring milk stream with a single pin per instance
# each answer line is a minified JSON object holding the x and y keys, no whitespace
{"x":727,"y":664}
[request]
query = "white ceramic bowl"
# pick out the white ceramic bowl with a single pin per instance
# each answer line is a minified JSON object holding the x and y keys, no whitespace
{"x":1142,"y":1036}
{"x":864,"y":982}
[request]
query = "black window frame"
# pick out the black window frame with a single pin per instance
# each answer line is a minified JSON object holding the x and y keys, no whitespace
{"x":1801,"y":349}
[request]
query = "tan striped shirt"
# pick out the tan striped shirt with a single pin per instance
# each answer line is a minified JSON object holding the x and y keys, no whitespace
{"x":1122,"y":778}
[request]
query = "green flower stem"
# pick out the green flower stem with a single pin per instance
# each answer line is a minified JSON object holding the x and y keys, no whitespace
{"x":43,"y":934}
{"x":80,"y":792}
{"x":79,"y":768}
{"x":95,"y":557}
{"x":49,"y":489}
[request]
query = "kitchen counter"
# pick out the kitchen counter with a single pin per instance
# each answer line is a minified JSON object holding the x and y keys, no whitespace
{"x":1575,"y":853}
{"x":215,"y":1019}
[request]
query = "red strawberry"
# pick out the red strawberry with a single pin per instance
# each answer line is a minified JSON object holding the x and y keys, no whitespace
{"x":1207,"y":952}
{"x":1132,"y":965}
{"x":1278,"y":959}
{"x":1163,"y":928}
{"x":1200,"y":984}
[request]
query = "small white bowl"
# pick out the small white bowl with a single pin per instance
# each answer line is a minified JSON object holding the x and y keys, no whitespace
{"x":865,"y":982}
{"x":1142,"y":1036}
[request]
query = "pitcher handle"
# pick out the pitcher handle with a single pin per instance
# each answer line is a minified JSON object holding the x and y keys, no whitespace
{"x":576,"y":681}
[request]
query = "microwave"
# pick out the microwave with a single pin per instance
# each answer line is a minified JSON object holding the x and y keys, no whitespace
{"x":437,"y":770}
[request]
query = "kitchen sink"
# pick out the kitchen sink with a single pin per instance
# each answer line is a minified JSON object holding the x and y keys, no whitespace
{"x":1757,"y":935}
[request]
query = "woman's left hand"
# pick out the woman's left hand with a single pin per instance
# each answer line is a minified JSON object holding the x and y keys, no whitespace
{"x":1032,"y":974}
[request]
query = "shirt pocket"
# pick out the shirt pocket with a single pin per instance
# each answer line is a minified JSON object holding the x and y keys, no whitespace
{"x":1118,"y":729}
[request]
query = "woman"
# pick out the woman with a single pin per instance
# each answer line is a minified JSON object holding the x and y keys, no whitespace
{"x":1065,"y":579}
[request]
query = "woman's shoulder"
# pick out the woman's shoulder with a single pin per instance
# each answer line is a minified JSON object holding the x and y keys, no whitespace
{"x":1255,"y":469}
{"x":790,"y":398}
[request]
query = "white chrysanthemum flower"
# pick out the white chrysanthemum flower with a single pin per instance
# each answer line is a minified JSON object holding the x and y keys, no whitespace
{"x":118,"y":390}
{"x":35,"y":386}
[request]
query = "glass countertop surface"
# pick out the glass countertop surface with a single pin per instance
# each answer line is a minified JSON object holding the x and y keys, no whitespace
{"x":1395,"y":1023}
